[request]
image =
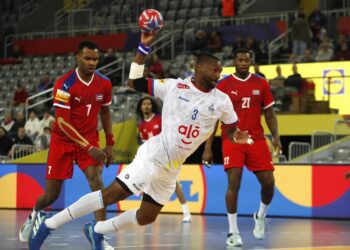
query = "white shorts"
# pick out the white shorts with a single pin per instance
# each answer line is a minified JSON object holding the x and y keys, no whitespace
{"x":145,"y":175}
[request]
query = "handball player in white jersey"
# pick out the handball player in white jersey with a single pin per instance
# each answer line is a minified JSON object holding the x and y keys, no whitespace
{"x":191,"y":108}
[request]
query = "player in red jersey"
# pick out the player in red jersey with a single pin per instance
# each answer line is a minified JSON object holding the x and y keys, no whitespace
{"x":249,"y":94}
{"x":151,"y":125}
{"x":79,"y":97}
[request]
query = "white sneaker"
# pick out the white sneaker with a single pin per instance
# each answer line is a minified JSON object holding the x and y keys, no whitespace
{"x":26,"y":229}
{"x":187,"y":218}
{"x":106,"y":245}
{"x":234,"y":240}
{"x":259,"y":229}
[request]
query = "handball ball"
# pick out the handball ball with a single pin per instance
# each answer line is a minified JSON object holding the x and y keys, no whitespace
{"x":151,"y":21}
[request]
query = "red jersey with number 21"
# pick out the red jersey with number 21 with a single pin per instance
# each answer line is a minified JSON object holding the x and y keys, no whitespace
{"x":248,"y":97}
{"x":84,"y":100}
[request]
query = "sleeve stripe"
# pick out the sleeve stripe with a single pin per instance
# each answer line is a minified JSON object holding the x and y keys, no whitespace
{"x":269,"y":105}
{"x":151,"y":87}
{"x":61,"y":106}
{"x":107,"y":104}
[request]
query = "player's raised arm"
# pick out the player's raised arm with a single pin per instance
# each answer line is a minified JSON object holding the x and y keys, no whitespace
{"x":136,"y":80}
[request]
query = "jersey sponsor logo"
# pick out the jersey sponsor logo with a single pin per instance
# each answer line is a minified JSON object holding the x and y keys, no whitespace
{"x":182,"y":86}
{"x":184,"y":99}
{"x":256,"y":92}
{"x":189,"y":132}
{"x":156,"y":126}
{"x":77,"y":98}
{"x":234,"y":92}
{"x":211,"y":107}
{"x":99,"y":97}
{"x":161,"y":81}
{"x":62,"y":96}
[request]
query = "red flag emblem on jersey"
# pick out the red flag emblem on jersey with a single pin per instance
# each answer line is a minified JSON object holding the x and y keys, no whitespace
{"x":99,"y":97}
{"x":182,"y":86}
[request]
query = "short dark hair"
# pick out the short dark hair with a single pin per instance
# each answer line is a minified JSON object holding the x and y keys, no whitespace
{"x":241,"y":51}
{"x":155,"y":106}
{"x":87,"y":44}
{"x":206,"y":57}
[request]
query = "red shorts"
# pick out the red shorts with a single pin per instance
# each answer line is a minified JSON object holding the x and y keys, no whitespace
{"x":255,"y":157}
{"x":61,"y":158}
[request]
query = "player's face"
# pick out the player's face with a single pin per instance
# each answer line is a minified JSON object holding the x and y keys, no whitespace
{"x":87,"y":60}
{"x":242,"y":63}
{"x":211,"y":73}
{"x":146,"y":106}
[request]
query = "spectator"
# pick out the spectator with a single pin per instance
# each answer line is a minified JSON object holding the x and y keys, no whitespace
{"x":325,"y":53}
{"x":21,"y":139}
{"x":253,"y":45}
{"x":20,"y":96}
{"x":239,"y":43}
{"x":32,"y":126}
{"x":109,"y":58}
{"x":257,"y":70}
{"x":292,"y":58}
{"x":45,"y":122}
{"x":20,"y":121}
{"x":317,"y":22}
{"x":8,"y":122}
{"x":307,"y":57}
{"x":277,"y":88}
{"x":343,"y":54}
{"x":5,"y":142}
{"x":228,"y":8}
{"x":45,"y":84}
{"x":156,"y":67}
{"x":43,"y":140}
{"x":341,"y":39}
{"x":300,"y":34}
{"x":294,"y":82}
{"x":189,"y":72}
{"x":199,"y":44}
{"x":214,"y":42}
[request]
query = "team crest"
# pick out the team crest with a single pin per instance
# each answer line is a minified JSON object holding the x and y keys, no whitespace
{"x":256,"y":92}
{"x":99,"y":97}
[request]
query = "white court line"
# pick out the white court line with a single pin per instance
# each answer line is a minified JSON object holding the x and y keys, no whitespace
{"x":312,"y":247}
{"x":159,"y":245}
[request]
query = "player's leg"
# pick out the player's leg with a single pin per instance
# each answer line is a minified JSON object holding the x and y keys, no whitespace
{"x":233,"y":162}
{"x":260,"y":162}
{"x":59,"y":167}
{"x":85,"y":205}
{"x":181,"y":197}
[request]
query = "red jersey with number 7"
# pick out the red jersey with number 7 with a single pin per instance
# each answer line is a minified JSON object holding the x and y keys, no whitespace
{"x":84,"y":100}
{"x":248,"y":96}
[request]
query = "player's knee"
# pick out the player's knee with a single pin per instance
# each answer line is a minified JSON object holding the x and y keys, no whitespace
{"x":95,"y":183}
{"x":51,"y":197}
{"x":145,"y":219}
{"x":268,"y":183}
{"x":234,"y":185}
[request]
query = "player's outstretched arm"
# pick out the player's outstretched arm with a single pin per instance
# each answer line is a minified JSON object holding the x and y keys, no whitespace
{"x":106,"y":121}
{"x":271,"y":121}
{"x":136,"y":80}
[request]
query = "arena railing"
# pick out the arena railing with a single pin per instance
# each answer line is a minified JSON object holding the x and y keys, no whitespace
{"x":277,"y":43}
{"x":20,"y":150}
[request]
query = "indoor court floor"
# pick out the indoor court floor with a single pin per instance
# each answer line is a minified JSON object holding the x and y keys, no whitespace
{"x":204,"y":232}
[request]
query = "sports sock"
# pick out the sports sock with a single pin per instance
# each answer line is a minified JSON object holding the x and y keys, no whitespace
{"x":85,"y":205}
{"x":263,"y":210}
{"x":232,"y":222}
{"x":123,"y":221}
{"x":185,"y":209}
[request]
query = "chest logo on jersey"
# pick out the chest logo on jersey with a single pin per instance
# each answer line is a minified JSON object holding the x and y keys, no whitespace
{"x":182,"y":86}
{"x":156,"y":126}
{"x":211,"y":107}
{"x":184,"y":99}
{"x":189,"y":132}
{"x":234,"y":92}
{"x":256,"y":92}
{"x":99,"y":97}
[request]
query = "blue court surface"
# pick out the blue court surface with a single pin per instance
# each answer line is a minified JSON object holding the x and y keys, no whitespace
{"x":204,"y":232}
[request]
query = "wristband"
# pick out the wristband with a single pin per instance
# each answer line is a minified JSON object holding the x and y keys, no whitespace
{"x":144,"y":50}
{"x":110,"y":141}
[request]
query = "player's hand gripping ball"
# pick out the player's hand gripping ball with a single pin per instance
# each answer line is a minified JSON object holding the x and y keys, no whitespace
{"x":151,"y":21}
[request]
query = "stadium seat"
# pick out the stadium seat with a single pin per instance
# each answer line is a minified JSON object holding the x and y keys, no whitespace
{"x":185,"y":4}
{"x":208,"y":3}
{"x":196,"y":3}
{"x":179,"y":24}
{"x":342,"y":153}
{"x":208,"y":11}
{"x":170,"y":15}
{"x":182,"y":14}
{"x":173,"y":5}
{"x":163,"y":6}
{"x":194,"y":13}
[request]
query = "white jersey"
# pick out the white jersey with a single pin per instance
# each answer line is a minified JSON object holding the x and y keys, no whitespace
{"x":189,"y":116}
